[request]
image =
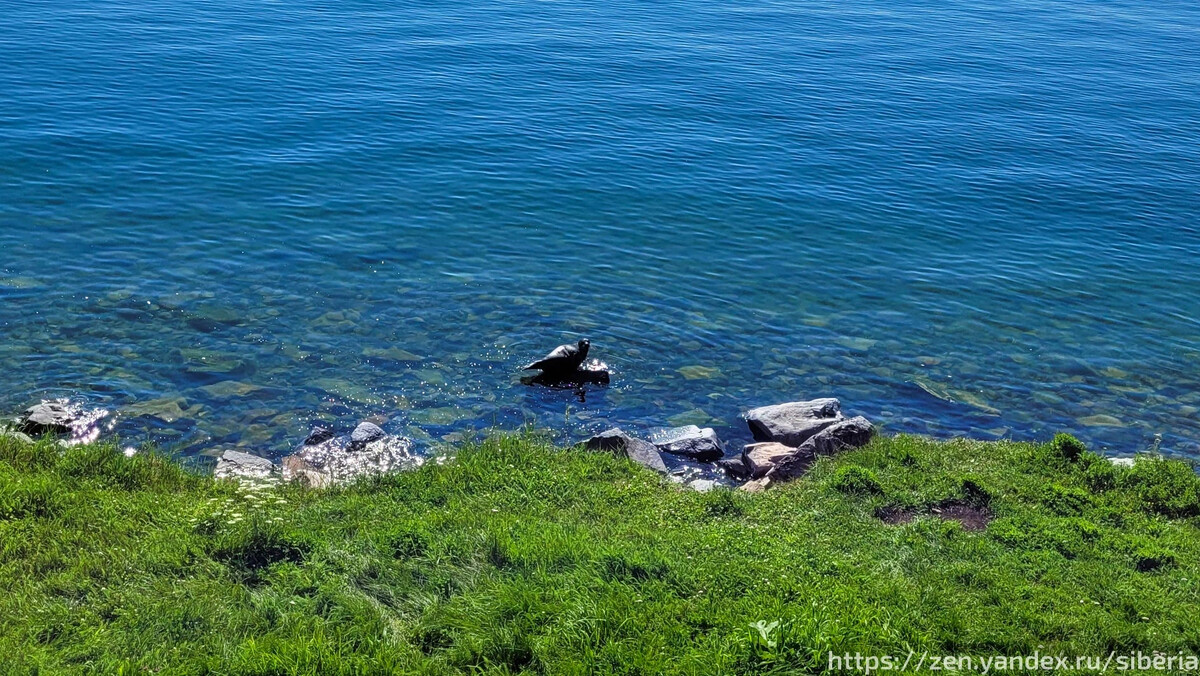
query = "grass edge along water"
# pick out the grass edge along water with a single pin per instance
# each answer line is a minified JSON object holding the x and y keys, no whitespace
{"x":518,"y":556}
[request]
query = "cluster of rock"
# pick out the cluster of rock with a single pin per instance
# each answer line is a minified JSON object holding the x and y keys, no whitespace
{"x":788,"y":439}
{"x":327,"y":458}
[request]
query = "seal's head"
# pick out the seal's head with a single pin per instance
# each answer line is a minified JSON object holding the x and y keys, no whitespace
{"x":584,"y":344}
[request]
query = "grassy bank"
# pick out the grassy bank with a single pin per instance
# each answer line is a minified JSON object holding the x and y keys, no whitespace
{"x":521,"y":557}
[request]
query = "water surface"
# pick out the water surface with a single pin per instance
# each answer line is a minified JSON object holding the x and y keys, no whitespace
{"x":225,"y":221}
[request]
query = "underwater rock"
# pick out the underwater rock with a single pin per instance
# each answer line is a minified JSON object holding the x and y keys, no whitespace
{"x":699,"y":444}
{"x":698,"y":372}
{"x":793,"y":423}
{"x":640,"y":451}
{"x":238,"y":465}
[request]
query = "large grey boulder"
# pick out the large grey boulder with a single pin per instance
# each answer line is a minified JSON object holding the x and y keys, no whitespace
{"x":690,"y":441}
{"x":851,"y":433}
{"x":239,"y":465}
{"x":638,"y":450}
{"x":793,"y":423}
{"x":838,"y":437}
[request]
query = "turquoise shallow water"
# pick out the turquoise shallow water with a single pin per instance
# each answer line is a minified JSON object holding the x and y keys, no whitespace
{"x":225,"y":221}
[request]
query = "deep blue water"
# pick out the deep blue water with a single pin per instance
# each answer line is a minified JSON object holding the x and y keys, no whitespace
{"x":961,"y":218}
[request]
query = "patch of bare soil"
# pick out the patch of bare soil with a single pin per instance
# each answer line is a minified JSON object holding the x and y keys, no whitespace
{"x":971,"y":517}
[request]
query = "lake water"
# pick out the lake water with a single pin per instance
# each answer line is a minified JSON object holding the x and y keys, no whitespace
{"x":224,"y":221}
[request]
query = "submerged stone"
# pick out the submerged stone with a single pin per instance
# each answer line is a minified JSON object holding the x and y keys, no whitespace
{"x":1101,"y":420}
{"x":699,"y":372}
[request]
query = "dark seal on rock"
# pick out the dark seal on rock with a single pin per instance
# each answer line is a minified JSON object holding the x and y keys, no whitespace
{"x":701,"y":445}
{"x":640,"y":451}
{"x":562,"y":359}
{"x":793,"y":423}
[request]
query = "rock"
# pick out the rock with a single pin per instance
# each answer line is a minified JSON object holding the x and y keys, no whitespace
{"x":238,"y":465}
{"x":640,"y":451}
{"x":852,"y":433}
{"x":48,"y":417}
{"x":701,"y":445}
{"x":762,"y":457}
{"x":755,"y":486}
{"x":846,"y":434}
{"x":702,"y":485}
{"x":793,"y":423}
{"x":339,"y":459}
{"x":365,"y":433}
{"x":317,"y":435}
{"x":1122,"y":462}
{"x":592,"y":373}
{"x":734,"y":467}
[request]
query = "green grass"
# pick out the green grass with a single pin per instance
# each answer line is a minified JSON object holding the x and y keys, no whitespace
{"x":520,"y":557}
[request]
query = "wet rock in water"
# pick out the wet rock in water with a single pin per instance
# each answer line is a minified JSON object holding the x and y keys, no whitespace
{"x":365,"y":433}
{"x":762,"y":457}
{"x":699,"y":444}
{"x":337,"y":459}
{"x":592,"y":373}
{"x":793,"y":423}
{"x":317,"y":435}
{"x":238,"y":465}
{"x":638,"y":450}
{"x":48,"y":417}
{"x":735,"y":467}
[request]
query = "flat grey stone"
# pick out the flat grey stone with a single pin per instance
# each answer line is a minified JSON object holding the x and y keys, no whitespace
{"x":239,"y":465}
{"x":793,"y":423}
{"x":638,"y":450}
{"x":701,"y":445}
{"x":702,"y":485}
